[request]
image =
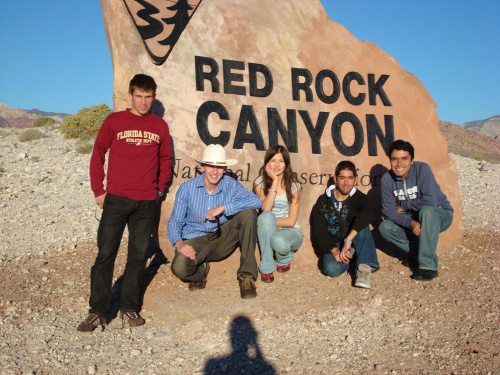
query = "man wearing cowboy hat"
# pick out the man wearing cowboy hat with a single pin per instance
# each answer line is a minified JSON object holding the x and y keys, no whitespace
{"x":213,"y":215}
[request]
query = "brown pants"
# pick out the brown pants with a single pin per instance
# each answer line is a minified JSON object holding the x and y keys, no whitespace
{"x":240,"y":231}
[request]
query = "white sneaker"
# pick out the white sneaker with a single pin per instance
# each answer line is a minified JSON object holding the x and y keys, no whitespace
{"x":363,"y":276}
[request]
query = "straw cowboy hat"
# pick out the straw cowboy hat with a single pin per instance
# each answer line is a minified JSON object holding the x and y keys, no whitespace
{"x":216,"y":155}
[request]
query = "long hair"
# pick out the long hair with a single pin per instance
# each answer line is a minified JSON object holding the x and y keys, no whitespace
{"x":288,"y":175}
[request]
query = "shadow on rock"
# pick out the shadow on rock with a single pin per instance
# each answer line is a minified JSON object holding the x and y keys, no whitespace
{"x":246,"y":357}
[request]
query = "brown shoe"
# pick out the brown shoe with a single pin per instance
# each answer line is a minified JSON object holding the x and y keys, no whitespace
{"x":200,"y":284}
{"x":247,"y":286}
{"x":131,"y":319}
{"x":91,"y":322}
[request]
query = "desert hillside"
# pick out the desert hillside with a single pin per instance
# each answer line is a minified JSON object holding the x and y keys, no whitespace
{"x":21,"y":118}
{"x":489,"y":127}
{"x":469,"y":143}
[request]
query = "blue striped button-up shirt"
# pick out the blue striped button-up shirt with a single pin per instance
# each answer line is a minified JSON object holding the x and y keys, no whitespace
{"x":192,"y":202}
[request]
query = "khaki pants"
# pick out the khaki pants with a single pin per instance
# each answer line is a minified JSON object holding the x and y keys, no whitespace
{"x":240,"y":231}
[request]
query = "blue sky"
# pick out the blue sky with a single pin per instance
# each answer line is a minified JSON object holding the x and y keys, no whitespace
{"x":55,"y":57}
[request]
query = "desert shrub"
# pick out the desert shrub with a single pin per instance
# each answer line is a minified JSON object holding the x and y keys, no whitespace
{"x":83,"y":147}
{"x":477,"y":157}
{"x":2,"y":170}
{"x":43,"y":121}
{"x":87,"y":121}
{"x":84,"y":137}
{"x":30,"y":135}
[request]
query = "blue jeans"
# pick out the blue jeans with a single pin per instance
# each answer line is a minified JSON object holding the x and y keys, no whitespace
{"x":118,"y":212}
{"x":276,"y":243}
{"x":365,"y":254}
{"x":433,"y":220}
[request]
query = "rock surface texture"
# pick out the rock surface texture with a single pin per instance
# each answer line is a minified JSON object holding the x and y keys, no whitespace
{"x":303,"y":323}
{"x":240,"y":76}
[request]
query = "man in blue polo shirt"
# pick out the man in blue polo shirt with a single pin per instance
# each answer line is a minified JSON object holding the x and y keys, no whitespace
{"x":213,"y":215}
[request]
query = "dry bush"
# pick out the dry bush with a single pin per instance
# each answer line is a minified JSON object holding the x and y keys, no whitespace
{"x":30,"y":135}
{"x":87,"y":121}
{"x":43,"y":121}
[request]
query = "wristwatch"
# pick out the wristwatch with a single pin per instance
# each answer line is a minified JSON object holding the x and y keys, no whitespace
{"x":160,"y":194}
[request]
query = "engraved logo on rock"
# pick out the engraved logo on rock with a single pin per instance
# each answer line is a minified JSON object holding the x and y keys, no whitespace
{"x":160,"y":23}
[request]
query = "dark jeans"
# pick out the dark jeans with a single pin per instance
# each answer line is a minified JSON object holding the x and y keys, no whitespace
{"x":139,"y":217}
{"x":240,"y":231}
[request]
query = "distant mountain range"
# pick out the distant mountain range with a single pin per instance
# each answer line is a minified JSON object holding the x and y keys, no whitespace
{"x":472,"y":144}
{"x":489,"y":127}
{"x":48,"y":114}
{"x":21,"y":118}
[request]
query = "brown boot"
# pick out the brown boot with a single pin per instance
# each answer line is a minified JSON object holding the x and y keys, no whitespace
{"x":91,"y":322}
{"x":131,"y":319}
{"x":247,"y":286}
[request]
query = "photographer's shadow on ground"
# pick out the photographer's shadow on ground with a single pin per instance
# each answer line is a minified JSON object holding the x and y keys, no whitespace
{"x":246,"y":357}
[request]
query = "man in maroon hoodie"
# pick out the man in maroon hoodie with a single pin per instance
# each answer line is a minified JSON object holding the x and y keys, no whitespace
{"x":139,"y":167}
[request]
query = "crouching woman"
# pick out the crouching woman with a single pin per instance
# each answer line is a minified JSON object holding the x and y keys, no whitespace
{"x":278,"y":230}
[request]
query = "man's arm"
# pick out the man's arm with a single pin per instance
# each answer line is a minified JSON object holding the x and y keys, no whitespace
{"x":165,"y":155}
{"x":390,"y":203}
{"x":345,"y":255}
{"x":428,"y":190}
{"x":185,"y":249}
{"x":101,"y":147}
{"x":320,"y":235}
{"x":241,"y":199}
{"x":177,"y":219}
{"x":363,"y":213}
{"x":100,"y":200}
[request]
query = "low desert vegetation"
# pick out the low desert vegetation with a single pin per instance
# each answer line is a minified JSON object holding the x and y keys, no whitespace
{"x":43,"y":121}
{"x":83,"y":147}
{"x":86,"y":122}
{"x":30,"y":135}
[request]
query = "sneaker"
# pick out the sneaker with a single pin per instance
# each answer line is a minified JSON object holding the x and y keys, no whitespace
{"x":363,"y":276}
{"x":284,"y":268}
{"x":200,"y":284}
{"x":91,"y":322}
{"x":247,"y":286}
{"x":131,"y":319}
{"x":424,"y":275}
{"x":267,"y":277}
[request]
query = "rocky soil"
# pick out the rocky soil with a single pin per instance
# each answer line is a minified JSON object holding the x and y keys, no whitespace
{"x":303,"y":323}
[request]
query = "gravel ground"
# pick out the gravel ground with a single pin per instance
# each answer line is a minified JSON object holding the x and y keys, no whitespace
{"x":303,"y":323}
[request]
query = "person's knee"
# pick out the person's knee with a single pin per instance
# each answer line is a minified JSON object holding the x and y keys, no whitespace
{"x":179,"y":266}
{"x":385,"y":227}
{"x":248,"y":216}
{"x":365,"y":232}
{"x":280,"y":244}
{"x":333,"y":269}
{"x":427,"y":212}
{"x":266,"y":218}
